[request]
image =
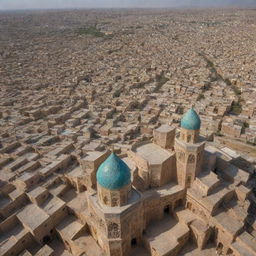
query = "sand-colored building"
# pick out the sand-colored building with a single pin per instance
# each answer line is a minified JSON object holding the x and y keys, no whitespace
{"x":171,"y":177}
{"x":161,"y":197}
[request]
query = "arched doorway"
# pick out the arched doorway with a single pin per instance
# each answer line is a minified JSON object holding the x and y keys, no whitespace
{"x":83,"y":188}
{"x":230,"y":252}
{"x":189,"y":205}
{"x":133,"y":242}
{"x":167,"y":209}
{"x":46,"y":239}
{"x":219,"y":248}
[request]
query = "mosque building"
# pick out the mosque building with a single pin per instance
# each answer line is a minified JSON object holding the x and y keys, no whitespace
{"x":157,"y":198}
{"x":174,"y":176}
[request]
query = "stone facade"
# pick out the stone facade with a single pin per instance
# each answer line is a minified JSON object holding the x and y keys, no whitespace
{"x":162,"y":195}
{"x":189,"y":157}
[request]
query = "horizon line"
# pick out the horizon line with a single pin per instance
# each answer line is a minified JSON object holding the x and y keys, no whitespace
{"x":134,"y":8}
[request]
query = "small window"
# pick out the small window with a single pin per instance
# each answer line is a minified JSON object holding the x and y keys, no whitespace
{"x":167,"y":209}
{"x":191,"y":159}
{"x":189,"y":180}
{"x":46,"y":240}
{"x":114,"y":202}
{"x":133,"y":242}
{"x":229,"y":252}
{"x":105,"y":200}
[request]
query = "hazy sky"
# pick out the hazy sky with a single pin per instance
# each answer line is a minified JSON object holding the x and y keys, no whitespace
{"x":31,"y":4}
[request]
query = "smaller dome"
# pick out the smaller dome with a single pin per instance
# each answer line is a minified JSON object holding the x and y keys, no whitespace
{"x":113,"y":173}
{"x":191,"y":120}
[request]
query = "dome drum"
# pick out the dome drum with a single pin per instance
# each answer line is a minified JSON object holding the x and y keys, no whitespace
{"x":114,"y":198}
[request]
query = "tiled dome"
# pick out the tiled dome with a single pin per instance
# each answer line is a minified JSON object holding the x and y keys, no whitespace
{"x":113,"y":173}
{"x":191,"y":120}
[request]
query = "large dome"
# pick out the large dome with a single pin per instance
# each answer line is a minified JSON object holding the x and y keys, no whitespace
{"x":191,"y":120}
{"x":113,"y":173}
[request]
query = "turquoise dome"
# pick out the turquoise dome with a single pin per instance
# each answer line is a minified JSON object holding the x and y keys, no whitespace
{"x":191,"y":120}
{"x":113,"y":173}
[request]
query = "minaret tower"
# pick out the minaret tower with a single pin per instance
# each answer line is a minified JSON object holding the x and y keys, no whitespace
{"x":189,"y":149}
{"x":116,"y":211}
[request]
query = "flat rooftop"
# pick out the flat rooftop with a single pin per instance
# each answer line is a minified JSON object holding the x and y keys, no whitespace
{"x":70,"y":226}
{"x":208,"y":179}
{"x":228,"y":222}
{"x":93,"y":155}
{"x":169,"y":189}
{"x":52,"y":205}
{"x":153,"y":153}
{"x":32,"y":216}
{"x":163,"y":235}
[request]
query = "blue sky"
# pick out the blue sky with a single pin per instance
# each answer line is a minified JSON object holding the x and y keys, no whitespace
{"x":30,"y":4}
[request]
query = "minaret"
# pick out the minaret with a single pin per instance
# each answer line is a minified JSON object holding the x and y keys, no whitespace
{"x":113,"y":181}
{"x":189,"y":150}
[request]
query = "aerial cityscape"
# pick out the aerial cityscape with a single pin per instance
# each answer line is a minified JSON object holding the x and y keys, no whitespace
{"x":128,"y":132}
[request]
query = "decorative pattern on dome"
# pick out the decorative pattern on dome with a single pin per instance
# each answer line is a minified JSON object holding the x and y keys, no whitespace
{"x":113,"y":173}
{"x":191,"y":120}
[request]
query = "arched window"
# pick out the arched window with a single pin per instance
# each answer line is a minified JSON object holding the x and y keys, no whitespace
{"x":191,"y":159}
{"x":198,"y":156}
{"x":105,"y":200}
{"x":230,"y":252}
{"x":188,"y":181}
{"x":181,"y":156}
{"x":133,"y":242}
{"x":113,"y":230}
{"x":83,"y":188}
{"x":189,"y":205}
{"x":219,"y":248}
{"x":114,"y":201}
